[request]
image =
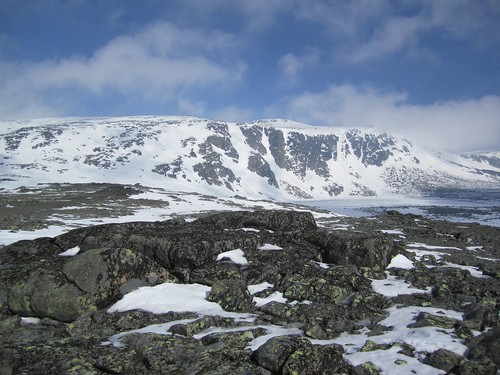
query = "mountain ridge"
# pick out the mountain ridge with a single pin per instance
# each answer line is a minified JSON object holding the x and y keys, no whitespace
{"x":275,"y":158}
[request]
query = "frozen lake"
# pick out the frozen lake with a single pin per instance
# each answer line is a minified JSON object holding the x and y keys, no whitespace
{"x":461,"y":205}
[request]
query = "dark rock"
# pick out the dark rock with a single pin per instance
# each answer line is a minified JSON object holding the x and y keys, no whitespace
{"x":275,"y":352}
{"x":367,"y":368}
{"x":486,"y":345}
{"x":444,"y":360}
{"x":359,"y":249}
{"x":474,"y":367}
{"x":232,"y":295}
{"x":72,"y":294}
{"x":425,"y":319}
{"x":316,"y":360}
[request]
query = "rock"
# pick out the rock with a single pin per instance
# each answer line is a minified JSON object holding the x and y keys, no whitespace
{"x":293,"y":355}
{"x":370,"y":345}
{"x":475,"y":367}
{"x":275,"y":352}
{"x":232,"y":295}
{"x":445,"y":360}
{"x":190,"y":329}
{"x":45,"y":294}
{"x":367,"y":368}
{"x":324,"y":275}
{"x":482,"y":314}
{"x":486,"y":345}
{"x":282,"y":221}
{"x":426,"y":319}
{"x":316,"y":360}
{"x":359,"y":249}
{"x":87,"y":281}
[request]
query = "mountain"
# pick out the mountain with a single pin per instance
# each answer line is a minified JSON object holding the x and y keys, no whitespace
{"x":489,"y":159}
{"x":270,"y":158}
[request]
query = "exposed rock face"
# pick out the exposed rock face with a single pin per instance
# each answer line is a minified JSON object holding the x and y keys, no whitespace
{"x":300,"y":285}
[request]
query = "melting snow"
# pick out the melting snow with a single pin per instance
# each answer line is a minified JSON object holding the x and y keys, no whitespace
{"x":321,"y":264}
{"x":270,"y":247}
{"x":169,"y":297}
{"x":273,"y":331}
{"x":392,"y":231}
{"x":430,"y":247}
{"x":161,"y":329}
{"x":70,"y":252}
{"x":420,"y":253}
{"x":392,"y":287}
{"x":256,"y":288}
{"x":237,"y":256}
{"x":400,"y":261}
{"x":276,"y":296}
{"x":423,"y":339}
{"x":474,"y":248}
{"x":30,"y":320}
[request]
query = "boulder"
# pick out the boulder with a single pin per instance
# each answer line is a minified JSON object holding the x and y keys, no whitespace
{"x":232,"y":295}
{"x":359,"y":249}
{"x":445,"y":360}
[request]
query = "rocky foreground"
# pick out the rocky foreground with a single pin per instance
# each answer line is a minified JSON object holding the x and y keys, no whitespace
{"x":288,"y":297}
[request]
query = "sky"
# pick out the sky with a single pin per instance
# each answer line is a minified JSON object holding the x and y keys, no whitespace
{"x":424,"y":69}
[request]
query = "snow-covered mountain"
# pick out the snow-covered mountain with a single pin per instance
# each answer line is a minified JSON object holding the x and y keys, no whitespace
{"x":270,"y":158}
{"x":489,"y":159}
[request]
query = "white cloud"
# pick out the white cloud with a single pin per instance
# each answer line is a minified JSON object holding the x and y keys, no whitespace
{"x":396,"y":34}
{"x":261,"y":14}
{"x":158,"y":63}
{"x":291,"y":65}
{"x":191,"y":108}
{"x":233,"y":114}
{"x":459,"y":125}
{"x":363,"y":30}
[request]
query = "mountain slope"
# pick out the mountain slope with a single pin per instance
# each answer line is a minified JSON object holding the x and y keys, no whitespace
{"x":272,"y":158}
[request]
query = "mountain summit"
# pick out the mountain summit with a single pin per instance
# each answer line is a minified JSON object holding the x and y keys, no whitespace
{"x":266,"y":158}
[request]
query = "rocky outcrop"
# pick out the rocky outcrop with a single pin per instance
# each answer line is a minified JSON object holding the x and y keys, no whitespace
{"x":280,"y":311}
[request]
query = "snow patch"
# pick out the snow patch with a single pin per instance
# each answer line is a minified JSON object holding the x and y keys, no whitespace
{"x":270,"y":247}
{"x":30,"y":320}
{"x":256,"y":288}
{"x":70,"y":252}
{"x":169,"y":297}
{"x":236,"y":256}
{"x":423,"y":339}
{"x":392,"y":287}
{"x":392,"y":231}
{"x":430,"y":247}
{"x":400,"y":261}
{"x":276,"y":296}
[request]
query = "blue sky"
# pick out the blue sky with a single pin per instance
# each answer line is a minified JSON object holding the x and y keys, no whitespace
{"x":428,"y":70}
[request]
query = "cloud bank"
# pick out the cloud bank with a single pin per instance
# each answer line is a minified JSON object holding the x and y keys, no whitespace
{"x":458,"y":125}
{"x":160,"y":63}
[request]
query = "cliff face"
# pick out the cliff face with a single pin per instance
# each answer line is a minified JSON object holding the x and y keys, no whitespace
{"x":272,"y":158}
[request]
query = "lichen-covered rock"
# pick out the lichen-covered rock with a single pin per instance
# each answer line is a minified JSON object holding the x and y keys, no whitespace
{"x":486,"y":345}
{"x":318,"y":281}
{"x":316,"y":360}
{"x":232,"y":295}
{"x":275,"y":352}
{"x":47,"y":294}
{"x":359,"y":249}
{"x":425,"y":319}
{"x":445,"y":360}
{"x":367,"y":368}
{"x":64,"y":289}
